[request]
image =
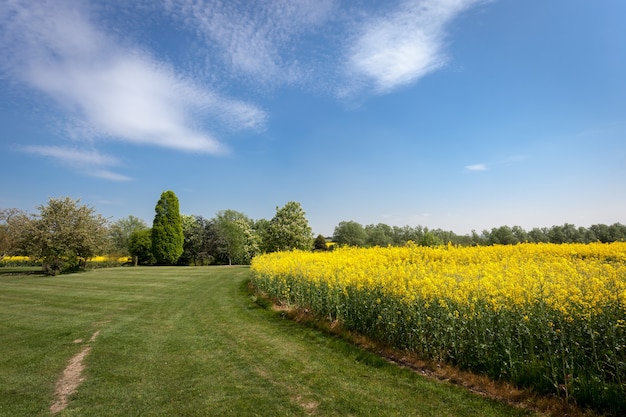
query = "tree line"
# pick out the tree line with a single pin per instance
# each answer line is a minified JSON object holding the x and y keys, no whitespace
{"x":354,"y":234}
{"x":64,"y":234}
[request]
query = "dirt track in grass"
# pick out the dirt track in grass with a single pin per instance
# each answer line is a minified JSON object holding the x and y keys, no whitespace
{"x":71,"y":378}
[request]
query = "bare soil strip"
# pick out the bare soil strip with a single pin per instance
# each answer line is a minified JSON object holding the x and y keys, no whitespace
{"x":71,"y":379}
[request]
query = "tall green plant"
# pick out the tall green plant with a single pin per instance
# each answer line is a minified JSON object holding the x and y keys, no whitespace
{"x":63,"y":235}
{"x":140,"y":247}
{"x":289,"y":229}
{"x":167,"y":230}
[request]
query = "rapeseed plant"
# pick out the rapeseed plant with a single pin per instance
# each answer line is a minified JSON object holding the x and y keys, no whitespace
{"x":543,"y":315}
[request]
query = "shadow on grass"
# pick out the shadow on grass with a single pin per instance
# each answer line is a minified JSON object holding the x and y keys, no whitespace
{"x":21,"y":270}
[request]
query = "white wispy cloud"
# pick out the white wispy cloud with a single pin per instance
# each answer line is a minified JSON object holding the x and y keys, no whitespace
{"x":476,"y":167}
{"x":108,"y":175}
{"x":513,"y":159}
{"x":354,"y":47}
{"x":254,"y":39}
{"x":113,"y":91}
{"x":103,"y":85}
{"x":88,"y":162}
{"x":403,"y":45}
{"x":73,"y":155}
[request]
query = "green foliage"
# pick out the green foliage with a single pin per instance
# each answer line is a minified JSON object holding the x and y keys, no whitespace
{"x":120,"y":232}
{"x":262,"y":229}
{"x":430,"y":239}
{"x":238,"y":243}
{"x":320,"y":243}
{"x":8,"y":231}
{"x":167,"y":230}
{"x":350,"y":233}
{"x":140,"y":246}
{"x":64,"y":234}
{"x":538,"y":235}
{"x":196,"y":249}
{"x":251,"y":241}
{"x":379,"y":235}
{"x":502,"y":236}
{"x":289,"y":229}
{"x":353,"y":234}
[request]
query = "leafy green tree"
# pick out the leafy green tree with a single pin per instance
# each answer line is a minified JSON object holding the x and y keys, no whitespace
{"x":520,"y":234}
{"x":189,"y":225}
{"x":601,"y":232}
{"x":195,"y":247}
{"x":572,"y":234}
{"x":64,"y":234}
{"x":379,"y":235}
{"x":320,"y":243}
{"x":502,"y":235}
{"x":567,"y":233}
{"x":289,"y":229}
{"x":617,"y":232}
{"x":587,"y":235}
{"x":445,"y":236}
{"x":262,"y":230}
{"x":430,"y":239}
{"x":557,"y":235}
{"x":215,"y":242}
{"x":140,"y":246}
{"x":476,"y":240}
{"x":232,"y":237}
{"x":538,"y":235}
{"x":401,"y":235}
{"x":120,"y":232}
{"x":350,"y":233}
{"x":252,"y":241}
{"x":167,"y":230}
{"x":238,"y":241}
{"x":12,"y":225}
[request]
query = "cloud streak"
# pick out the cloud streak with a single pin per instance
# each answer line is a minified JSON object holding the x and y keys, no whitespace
{"x":113,"y":91}
{"x":476,"y":167}
{"x":257,"y":40}
{"x":400,"y":47}
{"x":105,"y":87}
{"x":91,"y":163}
{"x":376,"y":53}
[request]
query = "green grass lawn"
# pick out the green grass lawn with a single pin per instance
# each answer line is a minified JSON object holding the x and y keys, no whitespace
{"x":20,"y":270}
{"x":185,"y":341}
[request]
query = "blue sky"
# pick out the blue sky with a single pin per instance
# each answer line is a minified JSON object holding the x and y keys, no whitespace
{"x":454,"y":114}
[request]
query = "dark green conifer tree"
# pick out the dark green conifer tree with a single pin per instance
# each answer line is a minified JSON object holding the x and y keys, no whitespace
{"x":167,"y":230}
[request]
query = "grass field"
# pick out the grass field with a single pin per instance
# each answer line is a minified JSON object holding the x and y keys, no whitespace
{"x":191,"y":342}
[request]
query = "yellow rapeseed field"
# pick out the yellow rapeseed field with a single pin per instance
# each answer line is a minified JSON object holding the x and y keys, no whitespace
{"x":95,"y":259}
{"x":546,"y":315}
